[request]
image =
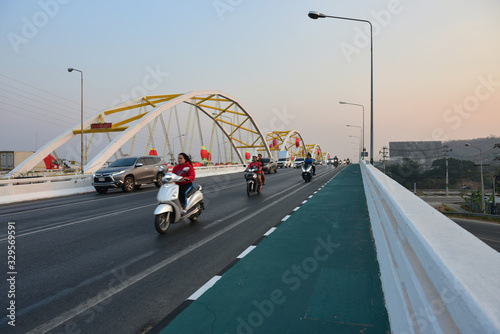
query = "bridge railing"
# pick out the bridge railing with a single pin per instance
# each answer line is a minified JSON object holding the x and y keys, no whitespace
{"x":26,"y":189}
{"x":437,"y":277}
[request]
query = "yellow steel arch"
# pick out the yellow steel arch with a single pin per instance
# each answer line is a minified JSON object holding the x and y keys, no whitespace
{"x":315,"y":151}
{"x":286,"y":141}
{"x":128,"y":118}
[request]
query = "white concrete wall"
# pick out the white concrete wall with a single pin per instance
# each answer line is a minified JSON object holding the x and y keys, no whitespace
{"x":436,"y":277}
{"x":18,"y":190}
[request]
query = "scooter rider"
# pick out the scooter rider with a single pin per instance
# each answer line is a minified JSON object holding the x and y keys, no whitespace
{"x":309,"y":161}
{"x":186,"y":183}
{"x":263,"y":174}
{"x":256,"y":164}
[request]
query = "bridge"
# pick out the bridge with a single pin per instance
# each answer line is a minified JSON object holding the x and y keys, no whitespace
{"x":352,"y":251}
{"x":205,"y":120}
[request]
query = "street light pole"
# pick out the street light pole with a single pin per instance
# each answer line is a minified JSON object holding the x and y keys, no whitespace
{"x":359,"y":143}
{"x":482,"y":183}
{"x":81,"y":118}
{"x":316,"y":15}
{"x":355,"y":104}
{"x":360,"y":132}
{"x":173,"y":146}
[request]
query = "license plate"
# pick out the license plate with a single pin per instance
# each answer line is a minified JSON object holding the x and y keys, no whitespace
{"x":101,"y":179}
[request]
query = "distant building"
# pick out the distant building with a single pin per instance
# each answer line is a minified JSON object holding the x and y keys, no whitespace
{"x":423,"y":152}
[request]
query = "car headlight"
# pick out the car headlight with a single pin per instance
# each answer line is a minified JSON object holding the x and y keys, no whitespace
{"x":118,"y":173}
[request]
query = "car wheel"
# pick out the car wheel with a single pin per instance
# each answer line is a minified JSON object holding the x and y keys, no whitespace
{"x":159,"y":179}
{"x":128,"y":184}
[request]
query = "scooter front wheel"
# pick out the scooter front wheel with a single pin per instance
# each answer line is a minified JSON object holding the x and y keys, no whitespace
{"x":162,"y":222}
{"x":249,"y":188}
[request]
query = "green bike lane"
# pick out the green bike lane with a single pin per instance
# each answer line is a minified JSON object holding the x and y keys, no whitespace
{"x":317,"y":272}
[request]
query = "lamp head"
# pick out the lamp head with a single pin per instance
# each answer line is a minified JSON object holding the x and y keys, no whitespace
{"x":70,"y":69}
{"x":315,"y":15}
{"x":467,"y":144}
{"x":342,"y":102}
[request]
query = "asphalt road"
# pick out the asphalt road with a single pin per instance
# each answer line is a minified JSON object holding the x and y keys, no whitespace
{"x":95,"y":264}
{"x":489,"y":233}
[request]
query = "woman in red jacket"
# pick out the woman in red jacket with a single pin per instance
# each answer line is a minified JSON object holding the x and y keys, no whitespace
{"x":188,"y":176}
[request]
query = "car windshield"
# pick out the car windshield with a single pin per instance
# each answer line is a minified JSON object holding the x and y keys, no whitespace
{"x":125,"y":162}
{"x":299,"y":159}
{"x":265,"y":160}
{"x":282,"y":159}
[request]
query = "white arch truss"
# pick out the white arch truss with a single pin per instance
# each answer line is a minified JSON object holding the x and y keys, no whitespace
{"x":241,"y":131}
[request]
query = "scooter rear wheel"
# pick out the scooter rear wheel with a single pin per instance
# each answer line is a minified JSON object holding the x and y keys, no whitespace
{"x":162,"y":221}
{"x":194,"y":218}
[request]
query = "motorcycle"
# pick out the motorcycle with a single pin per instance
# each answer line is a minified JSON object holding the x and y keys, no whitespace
{"x":307,"y":173}
{"x":169,"y":209}
{"x":252,"y":185}
{"x":335,"y":162}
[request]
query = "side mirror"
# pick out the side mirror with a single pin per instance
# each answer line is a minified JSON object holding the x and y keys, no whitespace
{"x":139,"y":164}
{"x":185,"y":169}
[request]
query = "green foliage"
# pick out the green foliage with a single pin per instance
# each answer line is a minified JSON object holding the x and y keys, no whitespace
{"x":409,"y":172}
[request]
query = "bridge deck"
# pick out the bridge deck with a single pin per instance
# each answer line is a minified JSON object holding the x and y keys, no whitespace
{"x":316,"y":273}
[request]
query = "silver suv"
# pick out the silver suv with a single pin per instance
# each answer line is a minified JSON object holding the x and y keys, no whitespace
{"x":130,"y":173}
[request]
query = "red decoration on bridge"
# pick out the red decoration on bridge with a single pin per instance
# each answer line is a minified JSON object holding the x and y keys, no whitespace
{"x":204,"y":153}
{"x":51,"y":162}
{"x":153,"y":151}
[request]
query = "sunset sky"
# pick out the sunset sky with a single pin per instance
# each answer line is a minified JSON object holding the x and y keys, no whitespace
{"x":436,"y":64}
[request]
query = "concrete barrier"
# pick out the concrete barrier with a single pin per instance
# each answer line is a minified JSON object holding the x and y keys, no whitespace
{"x":436,"y":277}
{"x":27,"y":189}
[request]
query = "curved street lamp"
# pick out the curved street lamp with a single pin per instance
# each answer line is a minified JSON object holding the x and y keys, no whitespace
{"x":316,"y":15}
{"x":361,"y":139}
{"x":359,"y":143}
{"x":81,"y":118}
{"x":360,"y":105}
{"x":482,"y":183}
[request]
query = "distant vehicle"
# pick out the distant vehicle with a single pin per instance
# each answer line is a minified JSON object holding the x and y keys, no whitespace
{"x":269,"y":165}
{"x":284,"y":162}
{"x":130,"y":173}
{"x":329,"y":161}
{"x":285,"y":159}
{"x":298,"y":162}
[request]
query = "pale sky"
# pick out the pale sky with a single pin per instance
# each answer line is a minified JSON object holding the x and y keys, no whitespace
{"x":436,"y":64}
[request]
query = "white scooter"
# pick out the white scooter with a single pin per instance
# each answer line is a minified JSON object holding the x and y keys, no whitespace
{"x":307,"y":173}
{"x":169,"y":211}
